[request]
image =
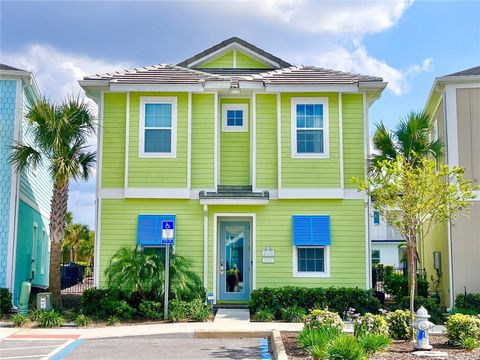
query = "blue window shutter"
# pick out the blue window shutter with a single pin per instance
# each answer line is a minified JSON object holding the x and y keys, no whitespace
{"x":149,"y":229}
{"x":311,"y":230}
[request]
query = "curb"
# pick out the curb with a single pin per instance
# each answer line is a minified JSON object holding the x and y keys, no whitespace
{"x":225,"y":334}
{"x":278,"y":349}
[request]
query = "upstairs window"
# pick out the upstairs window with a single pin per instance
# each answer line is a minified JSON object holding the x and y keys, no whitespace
{"x":158,"y":126}
{"x":235,"y":117}
{"x":376,"y":217}
{"x":310,"y":127}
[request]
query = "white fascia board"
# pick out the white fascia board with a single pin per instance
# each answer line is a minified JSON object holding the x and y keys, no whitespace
{"x":458,"y":79}
{"x":97,"y":84}
{"x":306,"y":193}
{"x":15,"y":74}
{"x":248,"y":84}
{"x":234,"y":202}
{"x":216,"y":84}
{"x":155,"y":87}
{"x":157,"y":193}
{"x":111,"y":193}
{"x":311,"y":88}
{"x":372,"y":85}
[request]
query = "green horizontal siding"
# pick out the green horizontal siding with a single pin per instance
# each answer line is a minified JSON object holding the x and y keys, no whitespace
{"x":113,"y":140}
{"x":310,"y":173}
{"x":158,"y":172}
{"x":223,"y":61}
{"x":203,"y":119}
{"x":266,"y":141}
{"x":234,"y":150}
{"x":353,"y":138}
{"x":246,"y":62}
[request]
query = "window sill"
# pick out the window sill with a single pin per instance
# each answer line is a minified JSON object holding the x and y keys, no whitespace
{"x":311,"y":274}
{"x":157,"y":155}
{"x":310,"y":156}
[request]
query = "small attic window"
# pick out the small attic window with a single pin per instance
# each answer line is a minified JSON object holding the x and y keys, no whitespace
{"x":235,"y":117}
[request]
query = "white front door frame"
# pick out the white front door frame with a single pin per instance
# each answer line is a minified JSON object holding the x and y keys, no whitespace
{"x":252,"y":217}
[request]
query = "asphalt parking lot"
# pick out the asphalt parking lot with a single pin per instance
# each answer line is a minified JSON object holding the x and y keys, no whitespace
{"x":136,"y":347}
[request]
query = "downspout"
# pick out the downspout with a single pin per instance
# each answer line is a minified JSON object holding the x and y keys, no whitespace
{"x":205,"y":246}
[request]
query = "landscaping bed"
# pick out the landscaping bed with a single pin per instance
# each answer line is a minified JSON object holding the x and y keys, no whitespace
{"x":398,"y":350}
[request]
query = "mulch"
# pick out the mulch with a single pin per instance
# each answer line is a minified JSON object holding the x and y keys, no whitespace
{"x":399,"y":350}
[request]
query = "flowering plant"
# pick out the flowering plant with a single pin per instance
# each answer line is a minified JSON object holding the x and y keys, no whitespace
{"x":321,"y":318}
{"x":370,"y":324}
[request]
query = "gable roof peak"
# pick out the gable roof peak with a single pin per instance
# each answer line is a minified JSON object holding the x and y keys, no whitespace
{"x":215,"y":49}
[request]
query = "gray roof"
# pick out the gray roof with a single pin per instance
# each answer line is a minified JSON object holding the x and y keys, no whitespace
{"x":467,"y":72}
{"x":8,"y":67}
{"x":157,"y":74}
{"x":237,"y":40}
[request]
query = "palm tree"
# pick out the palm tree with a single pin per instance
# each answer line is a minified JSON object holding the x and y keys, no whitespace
{"x":60,"y":140}
{"x":412,"y":139}
{"x":74,"y":234}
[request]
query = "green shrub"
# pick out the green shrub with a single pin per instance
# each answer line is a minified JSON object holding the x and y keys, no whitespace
{"x":370,"y":324}
{"x":113,"y":320}
{"x":294,"y":314}
{"x":318,"y":352}
{"x":19,"y":320}
{"x":338,"y":300}
{"x":49,"y":319}
{"x":152,"y":310}
{"x":114,"y":307}
{"x":321,"y":318}
{"x":468,"y":302}
{"x":82,"y":320}
{"x":91,"y":299}
{"x":397,"y":286}
{"x":436,"y":314}
{"x":320,"y":337}
{"x":35,"y":314}
{"x":263,"y":315}
{"x":399,"y":324}
{"x":183,"y":310}
{"x":464,"y":311}
{"x":373,"y":343}
{"x":345,"y":347}
{"x":469,"y":343}
{"x":460,"y":327}
{"x":5,"y":301}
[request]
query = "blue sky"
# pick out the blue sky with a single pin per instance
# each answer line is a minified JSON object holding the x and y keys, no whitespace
{"x":408,"y":43}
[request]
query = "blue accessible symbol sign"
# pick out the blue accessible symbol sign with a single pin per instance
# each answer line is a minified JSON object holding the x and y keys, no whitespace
{"x":168,"y":232}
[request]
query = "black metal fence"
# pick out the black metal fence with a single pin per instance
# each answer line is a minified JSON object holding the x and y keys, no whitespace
{"x":75,"y":278}
{"x":378,"y":276}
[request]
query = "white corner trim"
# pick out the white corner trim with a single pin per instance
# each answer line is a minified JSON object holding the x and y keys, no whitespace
{"x":172,"y":100}
{"x":240,"y":106}
{"x":368,"y":255}
{"x":311,"y":193}
{"x":98,"y":205}
{"x":253,"y":141}
{"x":189,"y":141}
{"x":127,"y":138}
{"x":238,"y":202}
{"x":366,"y":135}
{"x":452,"y":128}
{"x":340,"y":138}
{"x":157,"y":193}
{"x":205,"y":246}
{"x":326,"y":120}
{"x":279,"y":140}
{"x":216,"y":140}
{"x":299,"y":274}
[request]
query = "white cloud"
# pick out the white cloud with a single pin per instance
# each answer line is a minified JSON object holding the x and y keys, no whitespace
{"x":357,"y":60}
{"x":337,"y":17}
{"x":57,"y":73}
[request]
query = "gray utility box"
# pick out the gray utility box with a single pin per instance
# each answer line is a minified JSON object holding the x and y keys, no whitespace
{"x":44,"y":301}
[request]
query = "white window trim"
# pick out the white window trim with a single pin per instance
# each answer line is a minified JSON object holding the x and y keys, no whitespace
{"x":312,"y":274}
{"x":310,"y":100}
{"x":34,"y":249}
{"x":243,"y":108}
{"x":157,"y":100}
{"x":43,"y":255}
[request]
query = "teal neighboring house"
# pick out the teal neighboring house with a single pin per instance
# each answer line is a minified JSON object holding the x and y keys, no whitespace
{"x":249,"y":158}
{"x":24,"y":198}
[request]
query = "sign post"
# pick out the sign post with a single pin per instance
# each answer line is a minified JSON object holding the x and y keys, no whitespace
{"x":168,"y":238}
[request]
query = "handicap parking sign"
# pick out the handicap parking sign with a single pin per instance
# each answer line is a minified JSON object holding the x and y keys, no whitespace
{"x":168,"y":232}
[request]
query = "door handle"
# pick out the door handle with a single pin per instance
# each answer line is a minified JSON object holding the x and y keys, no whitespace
{"x":221,"y":267}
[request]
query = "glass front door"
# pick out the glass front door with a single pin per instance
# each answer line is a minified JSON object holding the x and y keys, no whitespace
{"x":234,"y":260}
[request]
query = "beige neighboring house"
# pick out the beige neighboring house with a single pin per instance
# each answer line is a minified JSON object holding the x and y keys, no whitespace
{"x":452,"y":259}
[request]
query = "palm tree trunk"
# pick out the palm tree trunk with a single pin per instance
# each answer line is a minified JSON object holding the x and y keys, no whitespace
{"x":57,"y":229}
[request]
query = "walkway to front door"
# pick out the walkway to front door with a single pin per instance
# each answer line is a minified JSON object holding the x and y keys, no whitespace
{"x":234,"y":260}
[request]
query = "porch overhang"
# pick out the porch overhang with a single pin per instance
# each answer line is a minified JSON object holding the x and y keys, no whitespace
{"x":234,"y":195}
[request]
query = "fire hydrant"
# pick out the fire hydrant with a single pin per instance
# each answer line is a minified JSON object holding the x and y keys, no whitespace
{"x":423,"y":327}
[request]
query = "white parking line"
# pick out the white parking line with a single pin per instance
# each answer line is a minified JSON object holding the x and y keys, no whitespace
{"x":22,"y":357}
{"x":31,"y":347}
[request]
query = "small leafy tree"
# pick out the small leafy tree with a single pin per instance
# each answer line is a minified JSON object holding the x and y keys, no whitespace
{"x":413,"y":197}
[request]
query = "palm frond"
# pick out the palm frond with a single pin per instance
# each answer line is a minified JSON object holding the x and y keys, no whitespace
{"x":25,"y":156}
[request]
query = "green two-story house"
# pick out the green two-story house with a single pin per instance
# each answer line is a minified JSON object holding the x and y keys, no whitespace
{"x":250,"y":157}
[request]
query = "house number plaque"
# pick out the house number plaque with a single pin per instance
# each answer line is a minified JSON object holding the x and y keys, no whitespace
{"x":268,"y":255}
